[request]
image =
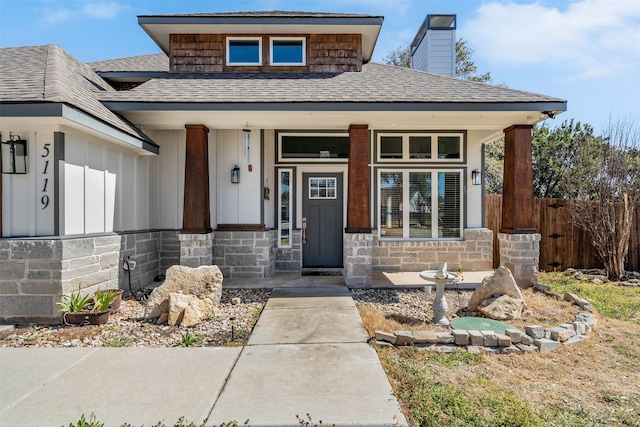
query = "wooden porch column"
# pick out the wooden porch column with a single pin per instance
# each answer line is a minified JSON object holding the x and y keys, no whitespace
{"x":196,"y":218}
{"x":358,"y":216}
{"x":517,"y":189}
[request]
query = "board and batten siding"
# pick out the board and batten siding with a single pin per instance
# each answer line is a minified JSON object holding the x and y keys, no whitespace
{"x":28,"y":207}
{"x":105,"y":189}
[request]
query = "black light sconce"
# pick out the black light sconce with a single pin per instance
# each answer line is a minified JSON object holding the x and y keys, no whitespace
{"x":235,"y":175}
{"x":14,"y":155}
{"x":476,"y":177}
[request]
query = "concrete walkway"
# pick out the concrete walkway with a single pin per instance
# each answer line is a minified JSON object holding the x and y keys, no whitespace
{"x":306,"y":355}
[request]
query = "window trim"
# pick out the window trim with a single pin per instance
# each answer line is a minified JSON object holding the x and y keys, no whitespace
{"x":281,"y":159}
{"x":434,"y":203}
{"x":237,"y":64}
{"x":406,"y":155}
{"x":291,"y":207}
{"x":286,"y":64}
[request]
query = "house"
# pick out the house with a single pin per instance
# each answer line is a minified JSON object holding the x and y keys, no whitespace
{"x":259,"y":142}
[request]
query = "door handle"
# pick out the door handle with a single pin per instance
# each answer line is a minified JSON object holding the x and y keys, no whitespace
{"x":304,"y":231}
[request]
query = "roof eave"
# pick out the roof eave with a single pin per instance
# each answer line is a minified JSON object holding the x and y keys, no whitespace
{"x":160,"y":27}
{"x":68,"y":112}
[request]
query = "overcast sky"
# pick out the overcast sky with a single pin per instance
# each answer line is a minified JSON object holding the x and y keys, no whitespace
{"x":584,"y":51}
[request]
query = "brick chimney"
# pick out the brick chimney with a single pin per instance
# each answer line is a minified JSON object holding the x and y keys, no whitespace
{"x":434,"y":47}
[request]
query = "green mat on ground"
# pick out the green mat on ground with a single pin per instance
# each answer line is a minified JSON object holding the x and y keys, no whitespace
{"x":480,"y":324}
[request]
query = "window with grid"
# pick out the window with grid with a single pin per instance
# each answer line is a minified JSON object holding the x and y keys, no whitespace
{"x":420,"y":204}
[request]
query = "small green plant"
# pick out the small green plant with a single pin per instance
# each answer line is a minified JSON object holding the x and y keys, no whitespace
{"x":82,"y":422}
{"x":33,"y":334}
{"x":121,"y":342}
{"x":74,"y":302}
{"x":103,"y":299}
{"x":187,"y":339}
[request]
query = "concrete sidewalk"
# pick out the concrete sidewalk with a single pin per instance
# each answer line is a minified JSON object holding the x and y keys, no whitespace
{"x":306,"y":355}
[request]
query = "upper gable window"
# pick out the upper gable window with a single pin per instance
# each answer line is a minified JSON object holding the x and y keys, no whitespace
{"x":244,"y":51}
{"x":288,"y":50}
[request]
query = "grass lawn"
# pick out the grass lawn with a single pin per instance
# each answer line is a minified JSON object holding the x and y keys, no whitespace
{"x":595,"y":383}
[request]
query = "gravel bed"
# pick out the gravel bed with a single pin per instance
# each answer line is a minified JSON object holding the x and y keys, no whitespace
{"x":127,"y":327}
{"x":411,"y":306}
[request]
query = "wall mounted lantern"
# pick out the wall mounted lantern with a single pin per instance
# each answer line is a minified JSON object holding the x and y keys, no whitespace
{"x":235,"y":175}
{"x":14,"y":155}
{"x":476,"y":177}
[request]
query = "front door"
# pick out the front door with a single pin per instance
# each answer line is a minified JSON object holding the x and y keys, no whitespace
{"x":322,"y":220}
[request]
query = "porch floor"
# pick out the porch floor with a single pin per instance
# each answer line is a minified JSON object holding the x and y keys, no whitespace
{"x":291,"y":279}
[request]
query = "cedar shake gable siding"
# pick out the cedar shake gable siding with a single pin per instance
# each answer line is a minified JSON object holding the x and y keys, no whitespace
{"x":206,"y":53}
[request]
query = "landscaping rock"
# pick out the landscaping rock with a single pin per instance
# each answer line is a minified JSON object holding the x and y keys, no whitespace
{"x":514,"y":334}
{"x":476,"y":338}
{"x":510,"y":349}
{"x":580,"y":328}
{"x":588,"y":319}
{"x":385,"y":336}
{"x":490,"y":338}
{"x":446,"y":348}
{"x":460,"y":336}
{"x":503,"y":340}
{"x":545,"y":345}
{"x":560,"y":334}
{"x":444,"y":338}
{"x":501,"y":282}
{"x":534,"y":331}
{"x":569,"y":326}
{"x":474,"y":349}
{"x":503,"y":307}
{"x":188,"y":310}
{"x":526,"y":340}
{"x":581,"y":302}
{"x":421,"y":337}
{"x":525,"y":347}
{"x":576,"y":339}
{"x":204,"y":282}
{"x":404,"y":338}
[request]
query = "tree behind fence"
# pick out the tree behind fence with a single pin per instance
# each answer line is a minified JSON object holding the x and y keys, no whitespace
{"x":563,"y":245}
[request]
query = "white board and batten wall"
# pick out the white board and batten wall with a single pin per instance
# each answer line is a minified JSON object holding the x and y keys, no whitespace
{"x":101,"y":188}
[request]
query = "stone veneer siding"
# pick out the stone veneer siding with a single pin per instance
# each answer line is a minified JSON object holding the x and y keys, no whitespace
{"x":245,"y":254}
{"x":474,"y":253}
{"x":520,"y":253}
{"x":196,"y":249}
{"x":33,"y":272}
{"x":288,"y":259}
{"x":358,"y":257}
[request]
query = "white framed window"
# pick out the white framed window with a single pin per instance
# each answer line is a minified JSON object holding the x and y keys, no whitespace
{"x":420,"y":204}
{"x":420,"y":147}
{"x":285,"y":207}
{"x":244,"y":51}
{"x":313,"y":147}
{"x":322,"y":188}
{"x":288,"y":51}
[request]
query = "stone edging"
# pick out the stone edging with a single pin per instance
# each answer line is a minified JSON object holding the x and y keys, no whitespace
{"x":534,"y":338}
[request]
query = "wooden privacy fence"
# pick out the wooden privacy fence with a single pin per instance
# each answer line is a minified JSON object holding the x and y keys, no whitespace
{"x":562,"y":245}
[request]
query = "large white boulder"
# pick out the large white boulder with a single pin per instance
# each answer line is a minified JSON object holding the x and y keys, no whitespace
{"x":488,"y":296}
{"x":187,"y":293}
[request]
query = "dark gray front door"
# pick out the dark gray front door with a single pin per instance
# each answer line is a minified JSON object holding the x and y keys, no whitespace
{"x":322,"y":220}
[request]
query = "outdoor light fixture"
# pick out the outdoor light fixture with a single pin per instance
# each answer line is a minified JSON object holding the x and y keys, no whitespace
{"x":14,"y":155}
{"x":476,"y":177}
{"x":246,"y":138}
{"x":235,"y":175}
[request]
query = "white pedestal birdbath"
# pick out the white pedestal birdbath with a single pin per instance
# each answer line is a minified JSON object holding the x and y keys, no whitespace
{"x":440,"y":277}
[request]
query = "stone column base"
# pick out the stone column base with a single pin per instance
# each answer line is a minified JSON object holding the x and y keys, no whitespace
{"x":520,"y":253}
{"x":196,"y":249}
{"x":358,"y":259}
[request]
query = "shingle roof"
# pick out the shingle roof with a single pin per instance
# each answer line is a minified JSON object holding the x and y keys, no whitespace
{"x":48,"y":74}
{"x":374,"y":84}
{"x":155,"y":62}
